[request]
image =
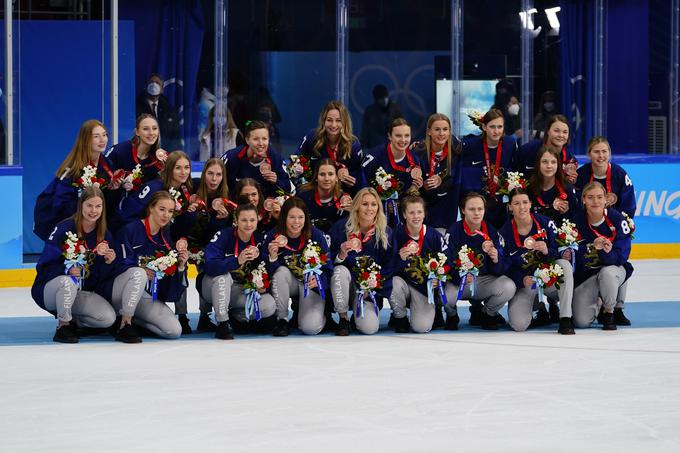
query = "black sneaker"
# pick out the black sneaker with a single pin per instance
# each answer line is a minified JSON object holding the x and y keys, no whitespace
{"x":392,"y":322}
{"x":184,"y":322}
{"x":205,"y":324}
{"x":128,"y":334}
{"x":281,"y":328}
{"x":438,"y":322}
{"x":475,"y":317}
{"x":554,"y":311}
{"x":566,"y":327}
{"x":344,"y":328}
{"x":499,"y":319}
{"x":331,"y":325}
{"x":487,"y":322}
{"x":452,"y":322}
{"x":608,"y":321}
{"x":401,"y":325}
{"x":542,"y":319}
{"x":619,"y":318}
{"x":223,"y":331}
{"x":239,"y":327}
{"x":66,"y":334}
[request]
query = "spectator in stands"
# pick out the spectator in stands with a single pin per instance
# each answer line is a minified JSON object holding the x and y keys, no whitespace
{"x":546,"y":109}
{"x":153,"y":102}
{"x":377,"y":118}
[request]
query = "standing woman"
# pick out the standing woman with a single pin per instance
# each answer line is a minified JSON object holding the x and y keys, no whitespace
{"x":231,"y":257}
{"x":620,"y":192}
{"x":285,"y":246}
{"x":530,"y":240}
{"x":324,"y":197}
{"x":333,"y":138}
{"x":602,"y":266}
{"x":556,"y":138}
{"x":412,"y":241}
{"x":142,"y":149}
{"x":66,"y":288}
{"x":175,"y":178}
{"x":491,"y":286}
{"x":364,"y":234}
{"x":258,"y":161}
{"x":441,"y":165}
{"x":485,"y":158}
{"x":551,"y":195}
{"x":148,"y":238}
{"x":84,"y":165}
{"x":396,"y":159}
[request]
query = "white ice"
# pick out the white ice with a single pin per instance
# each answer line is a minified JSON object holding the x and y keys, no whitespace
{"x":445,"y":391}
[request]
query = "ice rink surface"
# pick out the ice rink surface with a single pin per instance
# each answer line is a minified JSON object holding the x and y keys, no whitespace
{"x":468,"y":390}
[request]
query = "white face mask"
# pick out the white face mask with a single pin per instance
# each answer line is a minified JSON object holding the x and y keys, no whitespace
{"x":383,"y":102}
{"x":153,"y":89}
{"x":513,"y":109}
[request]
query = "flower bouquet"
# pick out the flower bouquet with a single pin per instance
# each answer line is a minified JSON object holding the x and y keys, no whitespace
{"x":75,"y":252}
{"x":313,"y":260}
{"x":435,"y":266}
{"x":257,"y":282}
{"x":568,"y":237}
{"x":88,"y":177}
{"x":545,"y":276}
{"x":467,"y":263}
{"x":299,"y":169}
{"x":161,"y":265}
{"x":368,"y":280}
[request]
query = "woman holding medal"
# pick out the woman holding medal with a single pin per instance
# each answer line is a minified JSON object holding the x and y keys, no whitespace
{"x":323,"y":196}
{"x":333,"y":138}
{"x":414,"y":241}
{"x":551,"y":195}
{"x":620,"y":192}
{"x":395,"y":159}
{"x":148,"y":241}
{"x":258,"y":161}
{"x":556,"y":138}
{"x":530,"y":242}
{"x":85,"y":165}
{"x":485,"y":158}
{"x":489,"y":286}
{"x":142,"y":149}
{"x":232,"y":256}
{"x":298,"y":259}
{"x":76,"y":262}
{"x":602,"y":266}
{"x":249,"y":191}
{"x":356,"y":242}
{"x":441,"y":172}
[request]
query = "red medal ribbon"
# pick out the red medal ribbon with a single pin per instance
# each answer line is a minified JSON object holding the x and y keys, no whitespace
{"x":317,"y":200}
{"x":154,"y":162}
{"x":484,"y":232}
{"x":608,"y":178}
{"x":434,"y":161}
{"x":364,"y":238}
{"x":393,"y":163}
{"x":236,"y":251}
{"x":104,"y":166}
{"x":496,"y":171}
{"x":332,"y":153}
{"x":540,"y":233}
{"x":421,"y":236}
{"x":287,"y":247}
{"x":611,"y":228}
{"x":561,"y":194}
{"x":147,"y":227}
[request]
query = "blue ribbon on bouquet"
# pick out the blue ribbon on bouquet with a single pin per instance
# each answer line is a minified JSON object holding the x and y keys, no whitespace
{"x":463,"y":279}
{"x":70,"y":264}
{"x":540,"y":287}
{"x":392,"y":201}
{"x":316,"y":272}
{"x":361,"y":296}
{"x":574,"y":248}
{"x":253,"y":303}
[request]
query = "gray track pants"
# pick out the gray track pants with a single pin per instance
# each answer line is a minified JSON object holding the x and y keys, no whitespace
{"x":228,"y":299}
{"x":494,"y":291}
{"x":128,"y":289}
{"x":311,"y":314}
{"x":520,"y":307}
{"x":607,"y":284}
{"x":344,"y":300}
{"x":422,"y":312}
{"x":88,"y":309}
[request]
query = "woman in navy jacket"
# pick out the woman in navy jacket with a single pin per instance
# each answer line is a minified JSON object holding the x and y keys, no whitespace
{"x":363,"y":234}
{"x":551,"y":195}
{"x":324,"y":197}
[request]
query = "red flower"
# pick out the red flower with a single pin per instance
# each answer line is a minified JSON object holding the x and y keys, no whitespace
{"x":447,"y":268}
{"x":365,"y":275}
{"x":323,"y":258}
{"x":393,"y":183}
{"x":433,"y":265}
{"x":171,"y":270}
{"x":312,"y":261}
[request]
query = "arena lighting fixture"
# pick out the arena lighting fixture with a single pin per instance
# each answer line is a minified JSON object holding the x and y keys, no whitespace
{"x":526,"y":17}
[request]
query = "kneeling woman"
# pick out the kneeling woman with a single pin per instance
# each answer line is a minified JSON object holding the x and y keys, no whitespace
{"x":530,"y":243}
{"x":489,"y":286}
{"x":146,"y":244}
{"x":300,"y":265}
{"x":357,"y":243}
{"x":78,"y":247}
{"x":416,"y":243}
{"x":235,"y":280}
{"x":602,"y":266}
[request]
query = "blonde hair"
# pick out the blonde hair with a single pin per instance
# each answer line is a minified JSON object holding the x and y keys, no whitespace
{"x":352,"y":226}
{"x":594,"y":185}
{"x":346,"y":137}
{"x":428,"y":140}
{"x":79,"y":156}
{"x":596,"y":141}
